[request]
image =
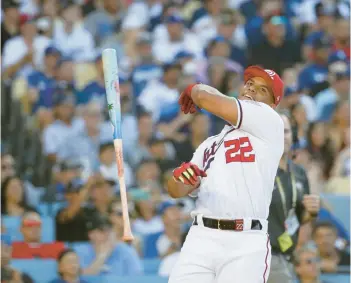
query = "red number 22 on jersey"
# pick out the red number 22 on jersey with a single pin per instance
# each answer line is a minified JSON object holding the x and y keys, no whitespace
{"x":239,"y":150}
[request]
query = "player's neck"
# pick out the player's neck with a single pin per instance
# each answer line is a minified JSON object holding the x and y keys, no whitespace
{"x":283,"y":163}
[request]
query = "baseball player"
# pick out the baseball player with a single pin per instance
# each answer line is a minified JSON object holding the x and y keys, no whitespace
{"x":232,"y":174}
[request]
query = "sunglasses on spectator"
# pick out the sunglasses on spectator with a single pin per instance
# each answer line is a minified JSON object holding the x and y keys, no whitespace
{"x":31,"y":223}
{"x":312,"y":260}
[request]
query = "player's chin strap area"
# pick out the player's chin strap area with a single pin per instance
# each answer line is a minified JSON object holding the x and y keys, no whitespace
{"x":244,"y":224}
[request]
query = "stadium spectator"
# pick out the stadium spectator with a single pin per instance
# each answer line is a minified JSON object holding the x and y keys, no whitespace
{"x":71,"y":37}
{"x":102,"y":193}
{"x":65,"y":171}
{"x":307,"y":265}
{"x":13,"y":198}
{"x":68,"y":268}
{"x":324,"y":235}
{"x":84,"y":144}
{"x":342,"y":36}
{"x":42,"y":83}
{"x":71,"y":220}
{"x":66,"y":75}
{"x":339,"y":182}
{"x":102,"y":255}
{"x":147,"y":222}
{"x":137,"y":150}
{"x":170,"y":240}
{"x":175,"y":39}
{"x":339,"y":90}
{"x":145,"y":69}
{"x":299,"y":123}
{"x":104,"y":21}
{"x":9,"y":274}
{"x":29,"y":48}
{"x":312,"y":78}
{"x":160,"y":96}
{"x":55,"y":135}
{"x":276,"y":52}
{"x":147,"y":171}
{"x":158,"y":151}
{"x":108,"y":165}
{"x":199,"y":130}
{"x":31,"y":246}
{"x":169,"y":261}
{"x":95,"y":90}
{"x":8,"y":169}
{"x":10,"y":23}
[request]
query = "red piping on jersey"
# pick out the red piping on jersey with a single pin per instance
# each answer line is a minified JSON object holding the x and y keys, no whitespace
{"x":265,"y":261}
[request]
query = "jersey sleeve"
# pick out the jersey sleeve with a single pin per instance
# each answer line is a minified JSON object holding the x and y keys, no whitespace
{"x":259,"y":120}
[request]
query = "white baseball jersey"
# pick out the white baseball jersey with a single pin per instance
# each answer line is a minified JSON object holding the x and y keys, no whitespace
{"x":241,"y":164}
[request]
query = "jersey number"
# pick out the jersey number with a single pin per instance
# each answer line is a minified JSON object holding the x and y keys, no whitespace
{"x":239,"y":150}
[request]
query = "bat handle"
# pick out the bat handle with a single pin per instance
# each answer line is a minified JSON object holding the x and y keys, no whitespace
{"x":127,"y":231}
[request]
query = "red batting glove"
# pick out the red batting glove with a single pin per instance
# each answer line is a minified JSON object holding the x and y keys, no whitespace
{"x":188,"y":173}
{"x":185,"y":101}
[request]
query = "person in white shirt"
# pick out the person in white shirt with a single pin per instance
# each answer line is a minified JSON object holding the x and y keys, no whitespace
{"x":232,"y":175}
{"x":170,"y":241}
{"x":176,"y":39}
{"x":22,"y":54}
{"x":71,"y":37}
{"x":160,"y":94}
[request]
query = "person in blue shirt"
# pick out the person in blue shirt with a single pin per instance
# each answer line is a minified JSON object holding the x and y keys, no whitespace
{"x":313,"y":77}
{"x":95,"y":90}
{"x":42,"y":84}
{"x":146,"y":68}
{"x":103,"y":255}
{"x":68,"y":268}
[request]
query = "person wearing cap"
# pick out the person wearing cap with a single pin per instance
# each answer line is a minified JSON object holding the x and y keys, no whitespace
{"x":146,"y":69}
{"x":10,"y":23}
{"x":292,"y":209}
{"x":339,"y":90}
{"x":55,"y":134}
{"x":162,"y":94}
{"x":177,"y":39}
{"x":30,"y":48}
{"x":71,"y":220}
{"x":276,"y":51}
{"x":102,"y":255}
{"x":83,"y":144}
{"x":42,"y":83}
{"x":170,"y":240}
{"x":32,"y":246}
{"x":312,"y":78}
{"x":232,"y":174}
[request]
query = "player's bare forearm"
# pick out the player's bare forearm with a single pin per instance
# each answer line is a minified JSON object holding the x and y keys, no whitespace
{"x":213,"y":101}
{"x":178,"y":189}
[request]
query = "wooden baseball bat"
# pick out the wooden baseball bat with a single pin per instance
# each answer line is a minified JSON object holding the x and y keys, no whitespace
{"x":109,"y":61}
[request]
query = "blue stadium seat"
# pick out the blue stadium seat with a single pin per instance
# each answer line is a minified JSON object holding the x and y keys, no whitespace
{"x":13,"y":226}
{"x":50,"y":209}
{"x":151,"y":266}
{"x":41,"y":271}
{"x":125,"y":279}
{"x":336,"y":278}
{"x":340,"y":207}
{"x":149,"y":249}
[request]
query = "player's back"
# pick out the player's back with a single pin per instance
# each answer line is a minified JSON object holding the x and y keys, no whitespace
{"x":241,"y":163}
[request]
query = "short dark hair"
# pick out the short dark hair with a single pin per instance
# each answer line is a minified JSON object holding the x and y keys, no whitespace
{"x":323,"y":224}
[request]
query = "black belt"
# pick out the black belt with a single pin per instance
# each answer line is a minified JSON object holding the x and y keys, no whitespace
{"x":234,"y":225}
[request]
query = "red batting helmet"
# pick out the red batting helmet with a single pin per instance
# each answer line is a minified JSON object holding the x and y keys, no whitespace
{"x":271,"y":78}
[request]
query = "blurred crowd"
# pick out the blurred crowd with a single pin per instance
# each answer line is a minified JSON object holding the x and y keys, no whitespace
{"x":52,"y":65}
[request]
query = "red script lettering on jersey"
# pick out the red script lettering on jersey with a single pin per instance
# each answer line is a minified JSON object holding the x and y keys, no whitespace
{"x":239,"y":150}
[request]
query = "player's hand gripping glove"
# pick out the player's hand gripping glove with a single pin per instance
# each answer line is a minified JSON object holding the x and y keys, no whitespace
{"x":188,"y":173}
{"x":186,"y":103}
